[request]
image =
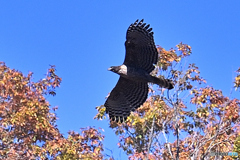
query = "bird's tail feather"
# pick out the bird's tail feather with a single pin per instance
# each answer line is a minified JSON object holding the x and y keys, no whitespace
{"x":165,"y":83}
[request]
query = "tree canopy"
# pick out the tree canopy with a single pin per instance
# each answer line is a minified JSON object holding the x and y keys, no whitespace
{"x":193,"y":121}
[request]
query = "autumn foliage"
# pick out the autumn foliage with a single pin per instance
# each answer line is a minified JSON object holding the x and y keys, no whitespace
{"x":27,"y":121}
{"x":192,"y":121}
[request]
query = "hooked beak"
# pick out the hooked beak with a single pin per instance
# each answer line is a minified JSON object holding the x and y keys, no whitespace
{"x":109,"y":69}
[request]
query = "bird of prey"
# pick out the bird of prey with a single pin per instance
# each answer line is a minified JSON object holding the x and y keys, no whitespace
{"x":131,"y":90}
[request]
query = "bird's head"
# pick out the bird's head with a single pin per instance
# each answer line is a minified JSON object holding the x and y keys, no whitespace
{"x":118,"y":69}
{"x":114,"y":69}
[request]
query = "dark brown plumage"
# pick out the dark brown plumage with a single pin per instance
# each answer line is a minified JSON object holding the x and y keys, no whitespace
{"x":131,"y":90}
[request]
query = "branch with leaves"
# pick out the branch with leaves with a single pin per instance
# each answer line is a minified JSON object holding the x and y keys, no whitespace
{"x":189,"y":122}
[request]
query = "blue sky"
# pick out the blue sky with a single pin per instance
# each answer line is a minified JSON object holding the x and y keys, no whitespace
{"x":84,"y":38}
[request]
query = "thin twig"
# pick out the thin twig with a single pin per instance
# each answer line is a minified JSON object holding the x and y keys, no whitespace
{"x":177,"y":130}
{"x":168,"y":145}
{"x":150,"y":136}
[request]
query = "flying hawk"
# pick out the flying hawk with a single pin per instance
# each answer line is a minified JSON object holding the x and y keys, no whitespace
{"x":131,"y":90}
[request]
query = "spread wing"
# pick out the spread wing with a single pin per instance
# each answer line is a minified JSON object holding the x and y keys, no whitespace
{"x":125,"y":97}
{"x":141,"y":51}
